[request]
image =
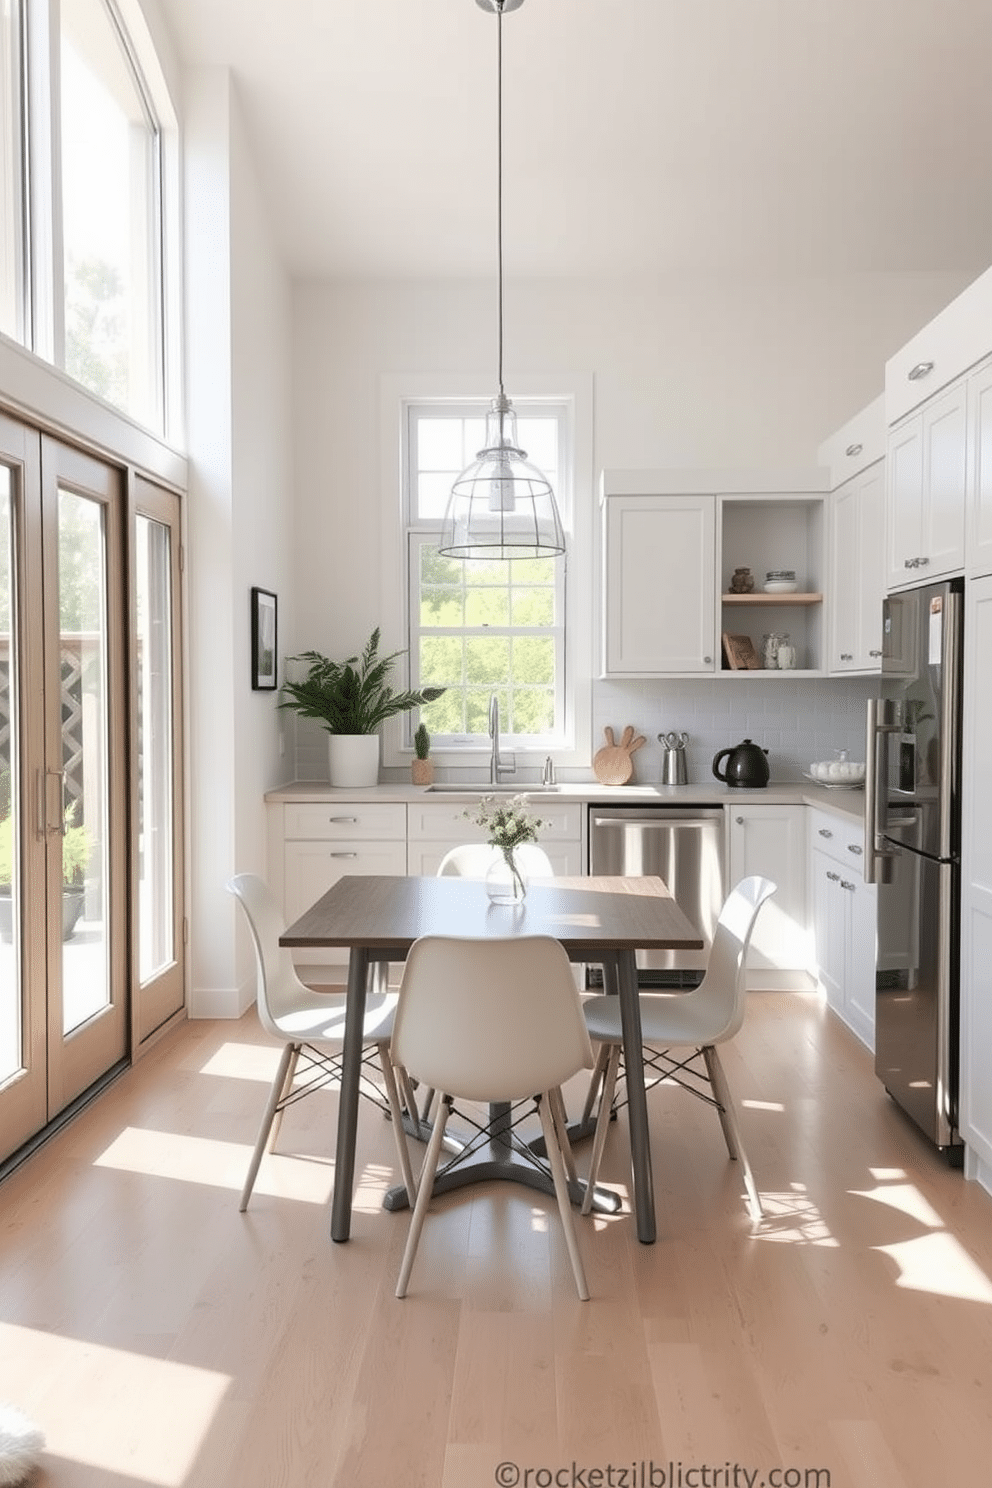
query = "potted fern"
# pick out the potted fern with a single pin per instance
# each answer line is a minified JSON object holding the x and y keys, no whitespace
{"x":351,"y":699}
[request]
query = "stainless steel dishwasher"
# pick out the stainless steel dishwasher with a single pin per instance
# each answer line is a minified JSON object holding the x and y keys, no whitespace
{"x":684,"y":847}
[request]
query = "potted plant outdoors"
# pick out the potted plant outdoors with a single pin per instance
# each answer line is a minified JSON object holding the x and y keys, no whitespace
{"x":351,"y":699}
{"x":422,"y":767}
{"x":77,"y":849}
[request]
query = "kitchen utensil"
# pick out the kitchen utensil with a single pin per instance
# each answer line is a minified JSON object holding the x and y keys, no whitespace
{"x":746,"y":767}
{"x":673,"y":770}
{"x":613,"y":764}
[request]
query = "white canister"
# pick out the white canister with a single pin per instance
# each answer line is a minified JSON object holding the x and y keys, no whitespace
{"x":786,"y":658}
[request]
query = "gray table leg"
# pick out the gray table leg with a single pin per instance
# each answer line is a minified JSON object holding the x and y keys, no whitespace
{"x":624,"y":970}
{"x":344,"y":1165}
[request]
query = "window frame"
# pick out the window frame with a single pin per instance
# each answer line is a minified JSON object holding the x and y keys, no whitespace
{"x":572,"y":393}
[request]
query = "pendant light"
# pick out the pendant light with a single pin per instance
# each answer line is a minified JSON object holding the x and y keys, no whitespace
{"x":501,"y":506}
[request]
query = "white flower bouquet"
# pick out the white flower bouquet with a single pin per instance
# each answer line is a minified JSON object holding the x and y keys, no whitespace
{"x":508,"y":823}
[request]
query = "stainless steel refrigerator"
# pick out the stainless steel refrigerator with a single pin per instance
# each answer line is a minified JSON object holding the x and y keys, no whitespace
{"x":913,"y":830}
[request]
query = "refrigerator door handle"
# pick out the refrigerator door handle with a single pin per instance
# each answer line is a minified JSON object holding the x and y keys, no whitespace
{"x":878,"y":861}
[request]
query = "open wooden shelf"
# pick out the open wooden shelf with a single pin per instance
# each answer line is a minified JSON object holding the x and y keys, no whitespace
{"x":771,"y":599}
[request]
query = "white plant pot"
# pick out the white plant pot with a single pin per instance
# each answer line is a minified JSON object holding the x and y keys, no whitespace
{"x":354,"y":759}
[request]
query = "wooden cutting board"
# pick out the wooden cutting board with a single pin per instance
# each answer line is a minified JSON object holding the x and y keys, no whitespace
{"x":613,"y":764}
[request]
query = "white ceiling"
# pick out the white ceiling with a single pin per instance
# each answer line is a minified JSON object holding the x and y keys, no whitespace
{"x":641,"y":137}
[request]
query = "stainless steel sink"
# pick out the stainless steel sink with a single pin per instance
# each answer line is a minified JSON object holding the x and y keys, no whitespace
{"x":493,"y":790}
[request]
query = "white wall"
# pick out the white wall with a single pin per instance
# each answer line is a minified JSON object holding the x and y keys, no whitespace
{"x":716,"y":373}
{"x":240,"y":523}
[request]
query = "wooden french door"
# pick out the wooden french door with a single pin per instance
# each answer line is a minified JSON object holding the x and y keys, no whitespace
{"x":63,"y":778}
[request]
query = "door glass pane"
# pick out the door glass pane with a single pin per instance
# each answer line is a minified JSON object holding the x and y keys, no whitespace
{"x":11,"y":175}
{"x":155,"y":745}
{"x":11,"y":1009}
{"x":85,"y":844}
{"x":109,"y":154}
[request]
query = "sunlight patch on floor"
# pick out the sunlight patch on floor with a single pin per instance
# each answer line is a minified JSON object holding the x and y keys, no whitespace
{"x":234,"y":1061}
{"x":793,"y":1218}
{"x":112,"y":1409}
{"x":939,"y":1264}
{"x":186,"y":1159}
{"x":905,"y":1197}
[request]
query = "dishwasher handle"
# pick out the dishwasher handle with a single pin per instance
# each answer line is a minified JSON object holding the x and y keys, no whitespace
{"x":661,"y":823}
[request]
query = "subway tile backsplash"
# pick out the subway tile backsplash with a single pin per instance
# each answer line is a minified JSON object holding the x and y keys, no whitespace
{"x":796,"y":721}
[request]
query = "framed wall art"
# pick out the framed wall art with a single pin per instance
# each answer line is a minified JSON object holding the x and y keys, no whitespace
{"x":264,"y":630}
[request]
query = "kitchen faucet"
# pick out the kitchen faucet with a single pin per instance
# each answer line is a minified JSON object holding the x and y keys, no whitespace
{"x":495,"y":763}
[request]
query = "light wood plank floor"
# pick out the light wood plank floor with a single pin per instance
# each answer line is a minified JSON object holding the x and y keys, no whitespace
{"x":163,"y":1340}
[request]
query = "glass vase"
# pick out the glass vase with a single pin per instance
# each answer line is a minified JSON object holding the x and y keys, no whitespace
{"x":505,"y":883}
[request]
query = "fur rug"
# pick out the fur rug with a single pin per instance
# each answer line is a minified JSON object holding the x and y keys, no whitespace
{"x":20,"y":1443}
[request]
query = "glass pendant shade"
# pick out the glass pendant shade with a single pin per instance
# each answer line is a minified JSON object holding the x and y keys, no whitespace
{"x":501,"y":506}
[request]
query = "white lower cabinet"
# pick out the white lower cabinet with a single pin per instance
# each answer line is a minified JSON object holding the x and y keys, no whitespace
{"x":842,"y":911}
{"x":320,"y":843}
{"x":975,"y":1105}
{"x":436,"y":826}
{"x":771,"y":841}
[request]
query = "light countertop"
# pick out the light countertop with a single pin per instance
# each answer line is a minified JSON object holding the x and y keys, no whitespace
{"x":846,"y":803}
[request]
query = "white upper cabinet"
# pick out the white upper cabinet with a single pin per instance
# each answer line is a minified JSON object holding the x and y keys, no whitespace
{"x":857,"y":567}
{"x":668,"y":559}
{"x":926,"y":480}
{"x":659,"y":610}
{"x":979,"y":529}
{"x":855,"y":458}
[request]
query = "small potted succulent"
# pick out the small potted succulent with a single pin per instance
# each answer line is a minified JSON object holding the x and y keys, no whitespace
{"x":351,"y":699}
{"x":422,"y":766}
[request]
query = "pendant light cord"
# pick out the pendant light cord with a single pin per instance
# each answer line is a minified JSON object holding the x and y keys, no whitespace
{"x":499,"y":193}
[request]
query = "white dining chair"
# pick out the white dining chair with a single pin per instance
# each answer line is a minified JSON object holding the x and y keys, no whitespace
{"x":310,"y":1025}
{"x":474,"y":859}
{"x":491,"y":1020}
{"x":695,"y":1021}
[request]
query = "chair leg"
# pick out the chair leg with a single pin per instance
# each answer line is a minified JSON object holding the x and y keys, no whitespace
{"x":287,"y":1064}
{"x":424,"y":1190}
{"x":731,"y":1126}
{"x":595,"y":1082}
{"x":560,"y":1117}
{"x":612,"y":1053}
{"x":287,"y":1086}
{"x":564,"y":1199}
{"x":396,"y":1112}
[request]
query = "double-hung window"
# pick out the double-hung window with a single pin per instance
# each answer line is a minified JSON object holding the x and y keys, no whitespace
{"x":483,"y":627}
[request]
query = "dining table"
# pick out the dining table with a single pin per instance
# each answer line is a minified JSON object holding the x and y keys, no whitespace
{"x":598,"y":920}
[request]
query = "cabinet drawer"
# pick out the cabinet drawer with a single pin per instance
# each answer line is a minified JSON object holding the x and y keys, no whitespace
{"x":444,"y":821}
{"x":351,"y":819}
{"x":312,"y":867}
{"x":953,"y":342}
{"x":838,"y":837}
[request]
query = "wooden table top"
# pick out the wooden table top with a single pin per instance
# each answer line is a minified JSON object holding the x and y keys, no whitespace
{"x":390,"y":913}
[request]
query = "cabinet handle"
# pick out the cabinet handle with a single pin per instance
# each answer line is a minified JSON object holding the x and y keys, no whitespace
{"x":911,"y":563}
{"x":343,"y":855}
{"x":874,"y":653}
{"x":846,"y":656}
{"x":825,"y":832}
{"x":854,"y":449}
{"x":922,"y":369}
{"x":739,"y":820}
{"x":922,"y":562}
{"x":349,"y":819}
{"x":853,"y":847}
{"x":845,"y":885}
{"x":833,"y":877}
{"x":708,"y":660}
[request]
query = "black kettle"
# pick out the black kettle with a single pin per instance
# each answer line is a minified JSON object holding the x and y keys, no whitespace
{"x":746,"y":767}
